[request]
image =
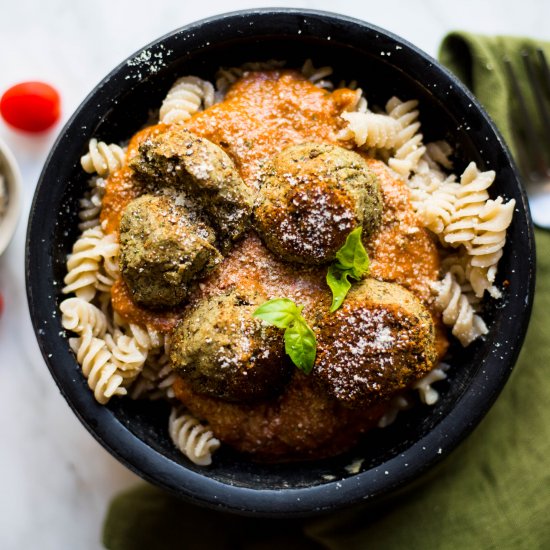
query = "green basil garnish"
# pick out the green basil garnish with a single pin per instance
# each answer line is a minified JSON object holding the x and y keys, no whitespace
{"x":352,"y":261}
{"x":300,"y":342}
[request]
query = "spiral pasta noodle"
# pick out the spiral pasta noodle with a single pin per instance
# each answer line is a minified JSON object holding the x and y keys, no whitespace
{"x":79,"y":315}
{"x":102,"y":158}
{"x":90,"y":204}
{"x":317,"y":76}
{"x":429,"y":395}
{"x":369,"y":129}
{"x":101,"y":358}
{"x":155,"y":380}
{"x":458,"y":264}
{"x":126,"y":353}
{"x":359,"y":104}
{"x":438,"y":154}
{"x":408,"y":147}
{"x":435,"y":207}
{"x":103,"y":376}
{"x":397,"y":404}
{"x":109,"y":270}
{"x":83,"y":265}
{"x":146,"y":337}
{"x":457,"y":311}
{"x":493,"y":221}
{"x":192,"y":438}
{"x":187,"y":96}
{"x":470,"y":199}
{"x":482,"y":279}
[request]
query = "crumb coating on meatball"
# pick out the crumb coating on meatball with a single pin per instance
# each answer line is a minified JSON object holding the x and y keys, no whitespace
{"x":311,"y":196}
{"x":379,"y":342}
{"x":224,"y":352}
{"x":163,"y":248}
{"x":179,"y":158}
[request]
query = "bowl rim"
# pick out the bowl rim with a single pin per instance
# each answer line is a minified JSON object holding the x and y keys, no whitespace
{"x":200,"y":489}
{"x":12,"y":178}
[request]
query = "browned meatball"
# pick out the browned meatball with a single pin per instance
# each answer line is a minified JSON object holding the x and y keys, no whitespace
{"x":301,"y":423}
{"x":180,"y":158}
{"x":311,"y":197}
{"x":223,"y":351}
{"x":163,"y":248}
{"x":378,"y":343}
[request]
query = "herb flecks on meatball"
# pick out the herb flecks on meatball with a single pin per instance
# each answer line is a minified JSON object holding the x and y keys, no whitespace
{"x":379,"y":342}
{"x":163,"y":248}
{"x":179,"y":158}
{"x":311,"y":196}
{"x":224,"y":352}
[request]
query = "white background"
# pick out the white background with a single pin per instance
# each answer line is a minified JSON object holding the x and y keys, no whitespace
{"x":55,"y":480}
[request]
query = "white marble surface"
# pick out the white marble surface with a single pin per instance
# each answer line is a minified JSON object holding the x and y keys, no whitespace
{"x":55,"y":480}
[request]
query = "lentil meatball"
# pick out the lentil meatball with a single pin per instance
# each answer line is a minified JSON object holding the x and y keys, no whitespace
{"x":180,"y":158}
{"x":300,"y":423}
{"x":223,"y":351}
{"x":163,"y":248}
{"x":378,"y":343}
{"x":311,"y":196}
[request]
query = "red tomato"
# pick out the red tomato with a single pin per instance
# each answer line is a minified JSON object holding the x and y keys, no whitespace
{"x":1,"y":304}
{"x":30,"y":106}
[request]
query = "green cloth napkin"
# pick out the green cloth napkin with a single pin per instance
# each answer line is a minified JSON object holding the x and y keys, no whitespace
{"x":493,"y":492}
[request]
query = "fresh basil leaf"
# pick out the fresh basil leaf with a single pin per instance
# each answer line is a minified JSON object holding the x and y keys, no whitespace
{"x":338,"y":283}
{"x":280,"y":312}
{"x":301,"y":345}
{"x":353,"y":255}
{"x":352,"y":261}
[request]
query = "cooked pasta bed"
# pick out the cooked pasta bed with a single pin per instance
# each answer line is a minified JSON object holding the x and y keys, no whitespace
{"x":125,"y":350}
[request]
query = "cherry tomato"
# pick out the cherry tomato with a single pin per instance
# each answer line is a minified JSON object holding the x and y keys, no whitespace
{"x":31,"y":106}
{"x":1,"y":304}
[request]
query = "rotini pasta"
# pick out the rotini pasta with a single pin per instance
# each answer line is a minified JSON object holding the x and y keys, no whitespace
{"x":473,"y":280}
{"x":147,"y":338}
{"x":457,"y":311}
{"x":92,"y":265}
{"x":360,"y":104}
{"x":462,"y":215}
{"x":107,"y":363}
{"x":408,"y":147}
{"x":438,"y":154}
{"x":79,"y":315}
{"x":397,"y":404}
{"x":191,"y":437}
{"x":187,"y":96}
{"x":90,"y":204}
{"x":83,"y":265}
{"x":317,"y":76}
{"x":435,"y":206}
{"x":369,"y":129}
{"x":126,"y":353}
{"x":155,"y":380}
{"x":104,"y":378}
{"x":470,"y":199}
{"x":102,"y":158}
{"x":429,"y":395}
{"x":493,"y":221}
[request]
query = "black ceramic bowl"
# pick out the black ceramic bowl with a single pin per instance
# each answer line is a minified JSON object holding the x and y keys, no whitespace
{"x":384,"y":65}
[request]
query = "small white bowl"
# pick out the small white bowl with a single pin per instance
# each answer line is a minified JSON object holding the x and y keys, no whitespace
{"x":12,"y":180}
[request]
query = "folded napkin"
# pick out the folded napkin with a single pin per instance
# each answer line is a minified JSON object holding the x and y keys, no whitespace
{"x":493,"y":492}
